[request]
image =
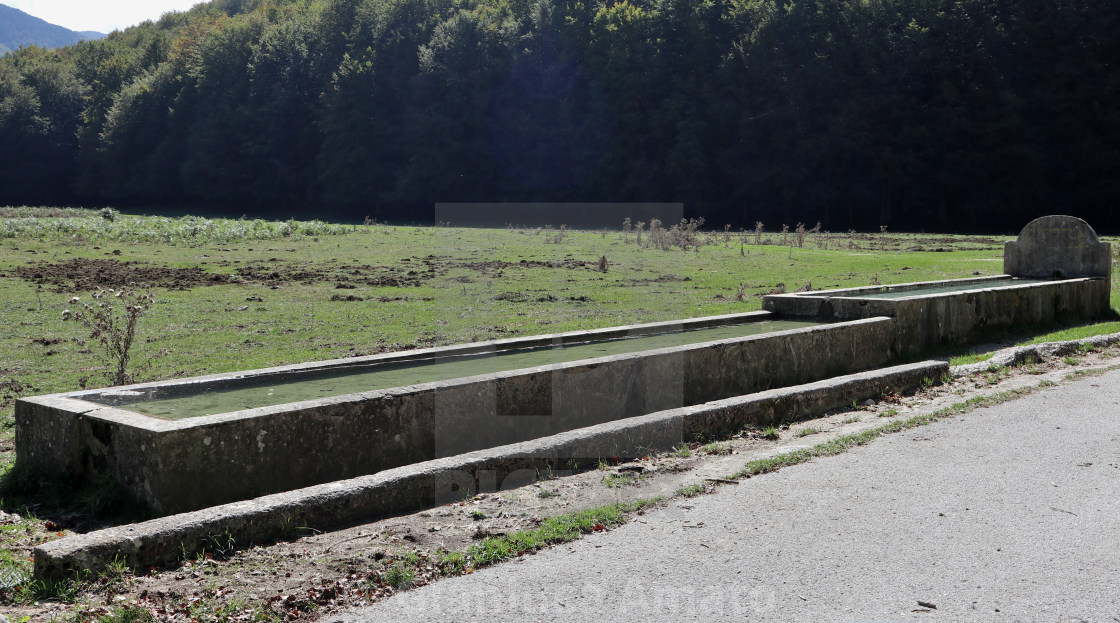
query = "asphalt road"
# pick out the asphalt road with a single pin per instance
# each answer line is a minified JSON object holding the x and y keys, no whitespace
{"x":1010,"y":513}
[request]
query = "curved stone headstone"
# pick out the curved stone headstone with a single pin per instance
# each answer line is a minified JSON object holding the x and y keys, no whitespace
{"x":1057,"y":247}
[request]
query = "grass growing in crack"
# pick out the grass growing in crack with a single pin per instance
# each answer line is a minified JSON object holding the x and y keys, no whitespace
{"x":682,"y":451}
{"x":691,"y":491}
{"x":961,"y":360}
{"x":1071,"y":361}
{"x":400,"y":575}
{"x":116,"y":576}
{"x":1077,"y":374}
{"x":808,"y":430}
{"x":851,"y":420}
{"x":64,"y":590}
{"x":996,"y":374}
{"x":770,"y":433}
{"x":477,"y":514}
{"x":1086,"y":348}
{"x":409,"y":556}
{"x":621,"y":480}
{"x":128,"y":614}
{"x":714,"y":448}
{"x":545,"y":494}
{"x":889,"y":413}
{"x":845,"y":443}
{"x":554,"y":530}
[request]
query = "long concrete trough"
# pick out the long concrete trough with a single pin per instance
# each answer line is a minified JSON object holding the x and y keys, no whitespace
{"x":177,"y":465}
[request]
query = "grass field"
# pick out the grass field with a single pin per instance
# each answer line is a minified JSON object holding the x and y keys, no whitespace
{"x":241,"y":294}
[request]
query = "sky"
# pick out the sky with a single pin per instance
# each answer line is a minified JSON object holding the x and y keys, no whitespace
{"x":100,"y":15}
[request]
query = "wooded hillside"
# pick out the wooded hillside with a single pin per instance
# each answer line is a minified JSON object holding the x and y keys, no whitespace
{"x":18,"y":28}
{"x":962,"y":115}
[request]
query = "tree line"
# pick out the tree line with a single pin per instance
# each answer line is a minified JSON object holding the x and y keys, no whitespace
{"x":966,"y":115}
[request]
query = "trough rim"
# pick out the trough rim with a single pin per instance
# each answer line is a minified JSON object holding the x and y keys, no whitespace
{"x":855,"y":293}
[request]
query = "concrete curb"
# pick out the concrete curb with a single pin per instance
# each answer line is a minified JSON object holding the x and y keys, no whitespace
{"x":1036,"y":352}
{"x":167,"y":540}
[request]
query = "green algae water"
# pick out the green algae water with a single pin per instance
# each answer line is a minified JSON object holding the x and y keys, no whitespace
{"x":256,"y":392}
{"x":949,"y":289}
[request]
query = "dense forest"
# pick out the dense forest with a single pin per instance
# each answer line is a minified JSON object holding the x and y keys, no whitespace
{"x":965,"y":115}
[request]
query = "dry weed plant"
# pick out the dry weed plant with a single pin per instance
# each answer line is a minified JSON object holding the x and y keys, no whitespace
{"x":684,"y":235}
{"x":112,"y":320}
{"x":657,"y":236}
{"x":557,"y":237}
{"x":822,"y":236}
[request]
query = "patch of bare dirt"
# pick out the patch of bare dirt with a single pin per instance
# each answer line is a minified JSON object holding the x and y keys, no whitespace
{"x":521,"y":297}
{"x":82,"y":275}
{"x":274,"y":272}
{"x":666,"y":278}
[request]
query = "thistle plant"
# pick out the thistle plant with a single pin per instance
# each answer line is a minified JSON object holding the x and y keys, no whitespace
{"x":112,"y":319}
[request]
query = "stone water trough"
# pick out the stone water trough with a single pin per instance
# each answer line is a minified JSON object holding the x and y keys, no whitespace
{"x":192,"y":443}
{"x":1056,"y":272}
{"x":195,"y":443}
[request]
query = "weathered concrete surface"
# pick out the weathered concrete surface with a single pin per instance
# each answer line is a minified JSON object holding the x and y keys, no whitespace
{"x":1007,"y":514}
{"x":182,"y":465}
{"x":1057,"y":247}
{"x":162,"y":541}
{"x":926,"y":320}
{"x":962,"y":317}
